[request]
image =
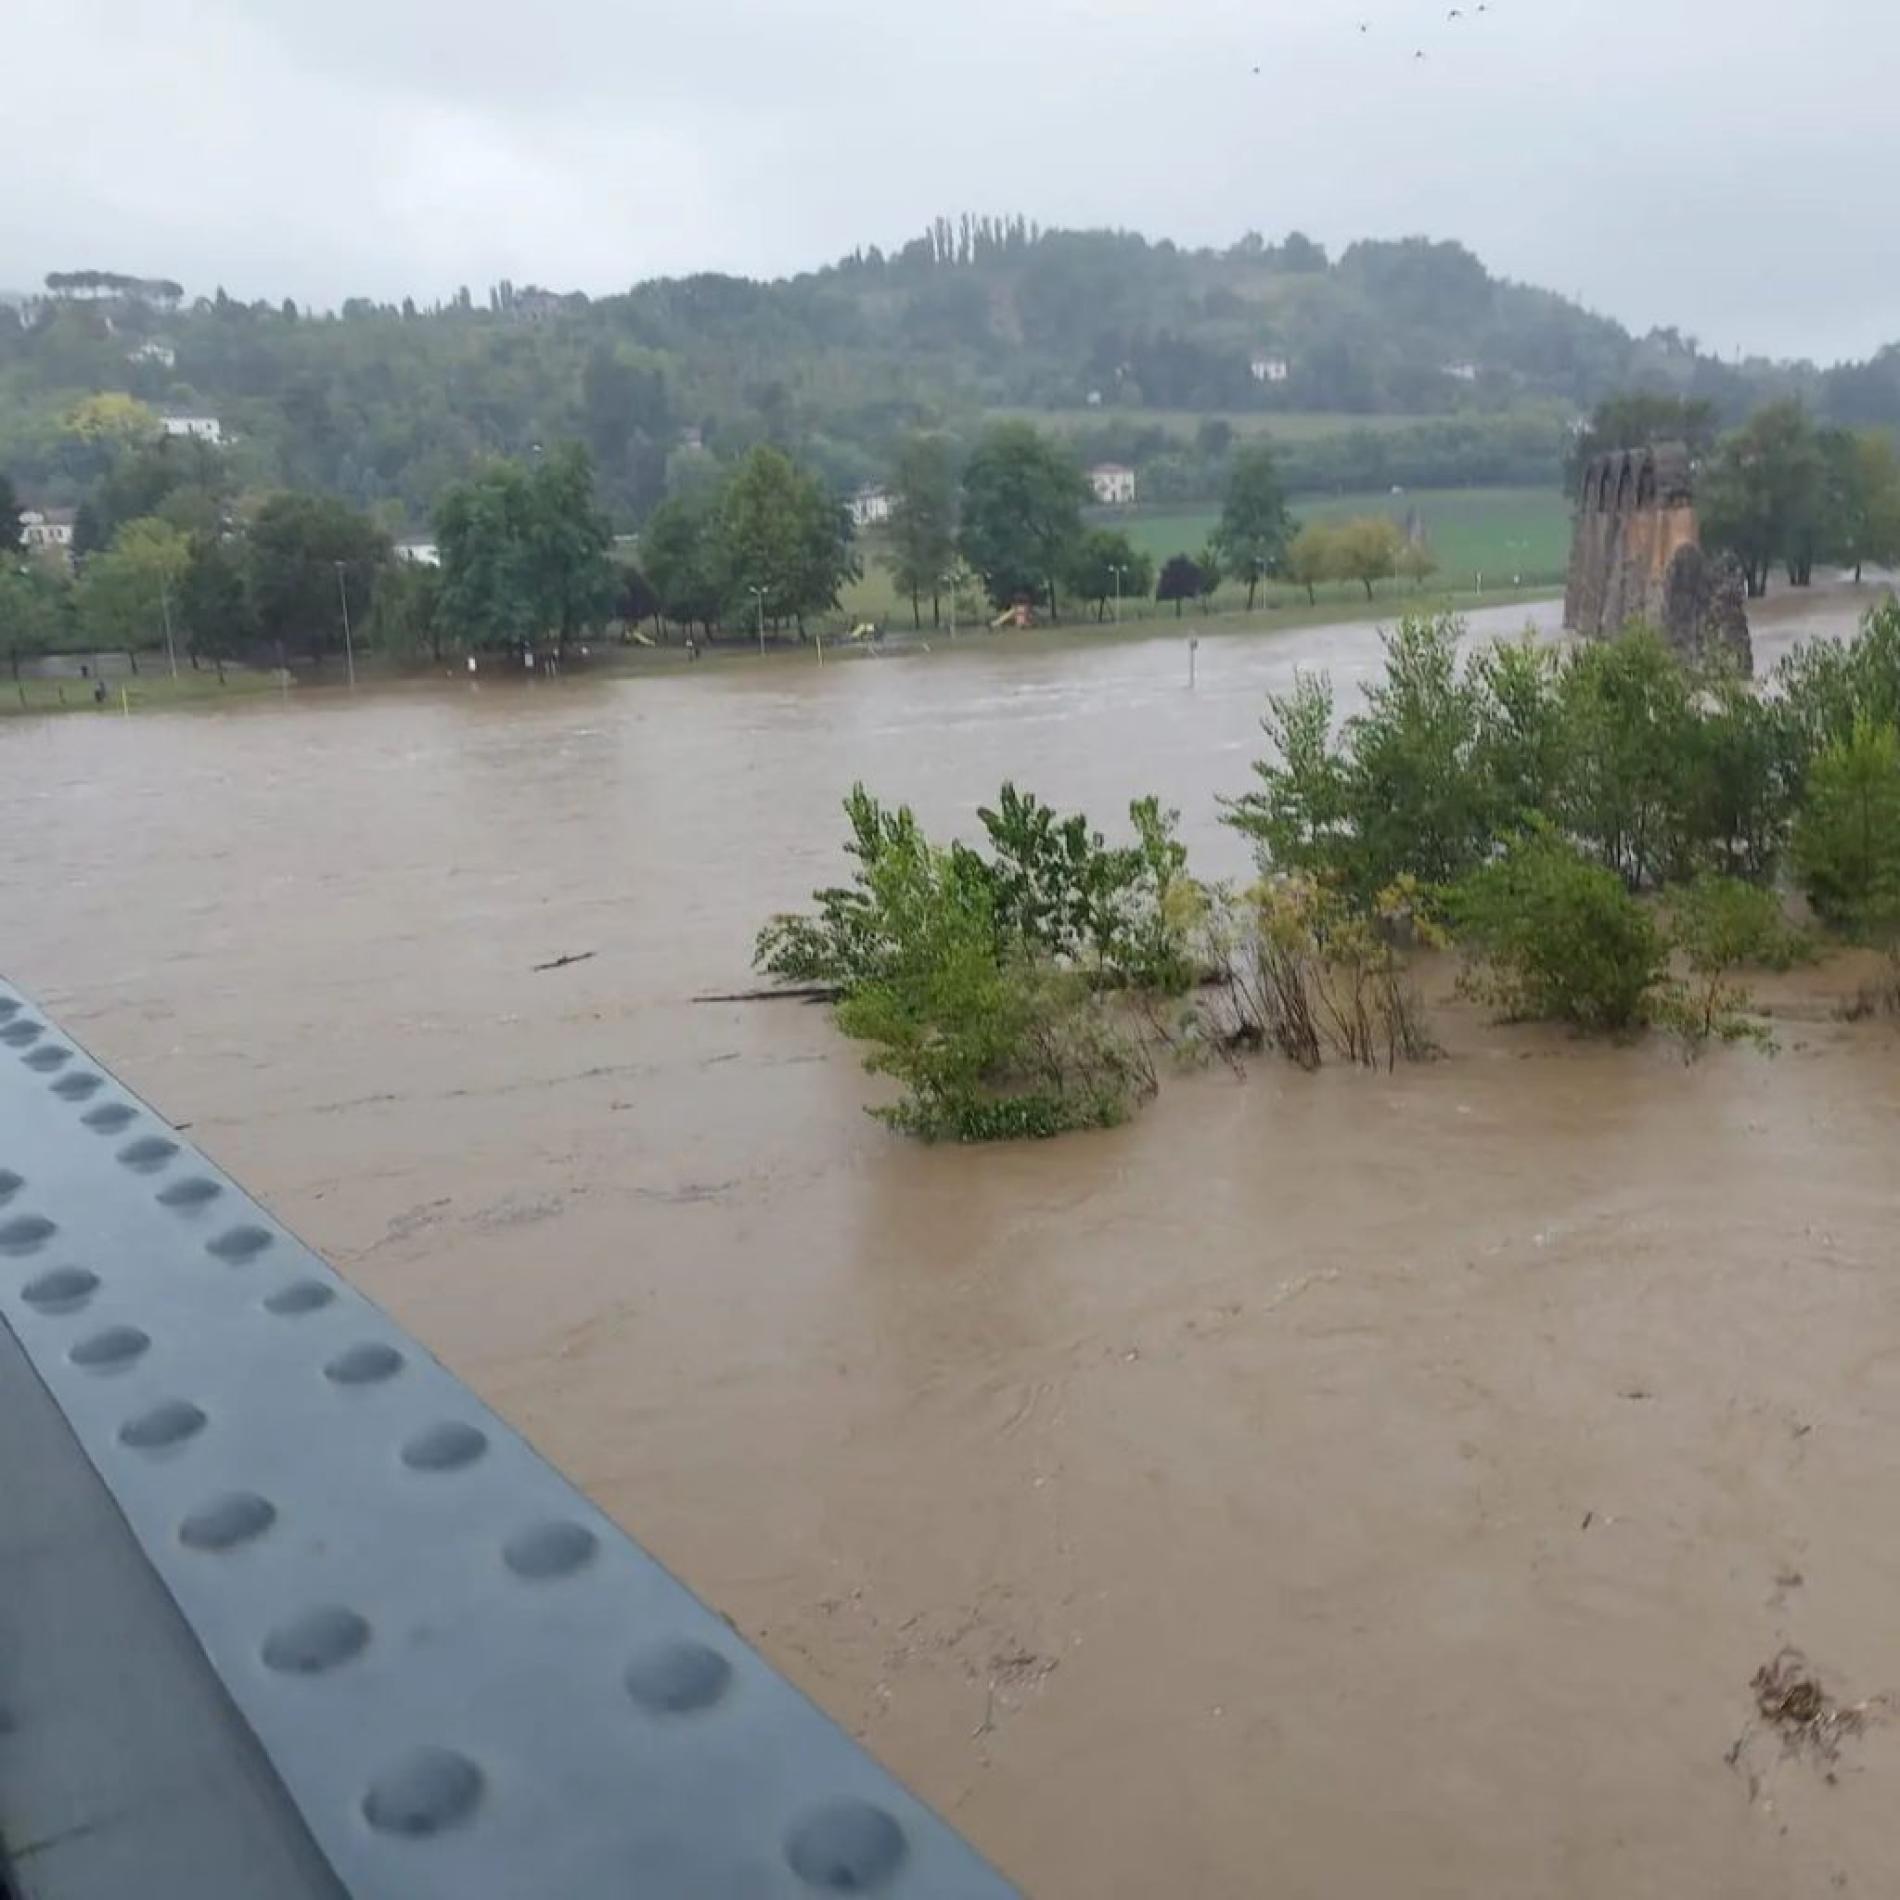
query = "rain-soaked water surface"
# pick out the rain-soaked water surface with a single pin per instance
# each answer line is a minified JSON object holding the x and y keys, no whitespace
{"x":1326,"y":1486}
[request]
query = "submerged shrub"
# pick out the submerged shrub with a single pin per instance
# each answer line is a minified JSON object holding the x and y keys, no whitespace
{"x":1549,"y":936}
{"x":1847,"y":835}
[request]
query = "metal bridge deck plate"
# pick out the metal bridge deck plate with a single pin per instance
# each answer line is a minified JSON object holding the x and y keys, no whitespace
{"x":469,"y":1681}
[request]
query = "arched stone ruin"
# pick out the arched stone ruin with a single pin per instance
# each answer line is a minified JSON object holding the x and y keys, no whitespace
{"x":1636,"y":554}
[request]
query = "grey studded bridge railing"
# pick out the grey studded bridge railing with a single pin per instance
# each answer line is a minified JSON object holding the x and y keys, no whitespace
{"x":405,"y":1657}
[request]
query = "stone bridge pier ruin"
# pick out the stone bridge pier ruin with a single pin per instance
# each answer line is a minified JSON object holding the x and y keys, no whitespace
{"x":1636,"y":555}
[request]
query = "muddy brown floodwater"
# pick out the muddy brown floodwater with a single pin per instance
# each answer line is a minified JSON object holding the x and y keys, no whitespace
{"x":1330,"y":1486}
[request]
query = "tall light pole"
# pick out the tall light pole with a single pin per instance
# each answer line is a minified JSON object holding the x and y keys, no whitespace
{"x":349,"y":642}
{"x":1118,"y":572}
{"x":758,"y":595}
{"x":950,"y":582}
{"x":165,"y":608}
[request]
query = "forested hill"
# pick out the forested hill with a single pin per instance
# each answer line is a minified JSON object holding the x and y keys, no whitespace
{"x":1123,"y":341}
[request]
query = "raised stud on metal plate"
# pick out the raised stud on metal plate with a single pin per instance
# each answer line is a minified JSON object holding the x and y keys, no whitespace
{"x":317,"y":1640}
{"x":193,"y":1191}
{"x":228,"y":1521}
{"x":846,"y":1847}
{"x":300,"y":1296}
{"x":677,"y":1678}
{"x":75,"y":1088}
{"x":47,"y":1059}
{"x":428,"y":1790}
{"x":444,"y":1447}
{"x":109,"y":1117}
{"x":25,"y":1233}
{"x":21,"y":1033}
{"x":148,"y":1154}
{"x":61,"y":1289}
{"x":363,"y":1364}
{"x":10,"y":1185}
{"x":169,"y":1422}
{"x":553,"y":1549}
{"x":239,"y":1244}
{"x":110,"y":1347}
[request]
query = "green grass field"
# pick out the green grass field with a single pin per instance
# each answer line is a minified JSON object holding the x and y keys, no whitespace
{"x":148,"y":690}
{"x":1501,"y":533}
{"x":1512,"y":537}
{"x":1305,"y":425}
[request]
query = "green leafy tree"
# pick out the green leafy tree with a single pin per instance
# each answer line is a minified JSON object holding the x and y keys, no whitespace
{"x":525,"y":553}
{"x":1180,"y":580}
{"x":1638,"y":418}
{"x":639,"y":599}
{"x":1847,"y":833}
{"x":923,"y":521}
{"x":1255,"y":527}
{"x":783,"y":542}
{"x":679,"y":552}
{"x":1863,"y":498}
{"x":406,"y":618}
{"x":126,"y":592}
{"x":1107,"y":565}
{"x":214,"y":607}
{"x":1417,"y":562}
{"x":568,"y":558}
{"x":1522,"y":749}
{"x":484,"y":530}
{"x":12,"y":529}
{"x":1313,"y":557}
{"x":176,"y":479}
{"x":1207,"y":565}
{"x":34,"y":609}
{"x":1826,"y":688}
{"x":1401,"y":792}
{"x":309,"y":555}
{"x":1762,"y":495}
{"x":1366,"y":549}
{"x":1422,"y":807}
{"x":1301,"y":814}
{"x":1022,"y":513}
{"x":1628,"y":793}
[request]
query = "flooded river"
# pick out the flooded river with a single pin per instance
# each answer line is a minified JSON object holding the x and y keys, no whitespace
{"x":1322,"y":1487}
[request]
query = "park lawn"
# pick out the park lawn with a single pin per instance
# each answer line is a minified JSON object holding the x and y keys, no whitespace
{"x":146,"y":691}
{"x":1500,"y":533}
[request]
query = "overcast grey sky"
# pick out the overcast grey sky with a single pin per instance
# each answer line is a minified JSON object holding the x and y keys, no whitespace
{"x":1725,"y":165}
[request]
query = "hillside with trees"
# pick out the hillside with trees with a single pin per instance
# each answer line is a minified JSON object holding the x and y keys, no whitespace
{"x":1140,"y":351}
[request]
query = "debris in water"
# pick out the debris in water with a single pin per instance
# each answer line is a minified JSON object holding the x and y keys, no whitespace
{"x":1790,"y":1700}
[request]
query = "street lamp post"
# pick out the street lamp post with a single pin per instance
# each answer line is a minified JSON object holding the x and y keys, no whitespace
{"x":950,"y":583}
{"x":349,"y":641}
{"x":758,"y":594}
{"x":1118,"y":572}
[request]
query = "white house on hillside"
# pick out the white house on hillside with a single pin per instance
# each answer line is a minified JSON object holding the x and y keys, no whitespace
{"x":1462,"y":372}
{"x":870,"y":507}
{"x":47,"y":530}
{"x":419,"y":553}
{"x":199,"y":428}
{"x":1270,"y":369}
{"x":1114,"y":484}
{"x":154,"y":350}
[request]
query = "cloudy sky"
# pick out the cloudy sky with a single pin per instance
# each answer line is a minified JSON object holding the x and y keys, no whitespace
{"x":1725,"y":165}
